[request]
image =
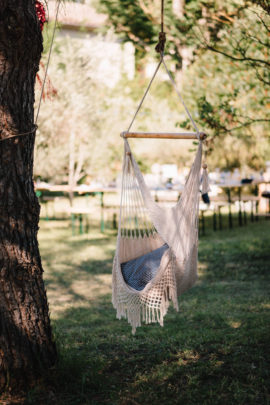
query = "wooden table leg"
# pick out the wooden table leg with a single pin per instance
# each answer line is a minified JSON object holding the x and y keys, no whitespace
{"x":102,"y":225}
{"x":73,"y":224}
{"x":239,"y":209}
{"x":219,"y":218}
{"x":228,"y":191}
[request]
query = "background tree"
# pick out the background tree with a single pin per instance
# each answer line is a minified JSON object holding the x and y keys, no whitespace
{"x":26,"y":344}
{"x":222,"y":49}
{"x":80,"y":141}
{"x":232,"y":97}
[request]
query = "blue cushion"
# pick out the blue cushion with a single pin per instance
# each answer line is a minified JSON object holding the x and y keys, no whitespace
{"x":138,"y":272}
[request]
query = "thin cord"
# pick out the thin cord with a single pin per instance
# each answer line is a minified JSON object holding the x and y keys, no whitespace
{"x":49,"y":57}
{"x":162,"y":16}
{"x":181,"y":99}
{"x":43,"y":84}
{"x":24,"y":133}
{"x":160,"y":49}
{"x":162,"y":36}
{"x":145,"y":94}
{"x":177,"y":92}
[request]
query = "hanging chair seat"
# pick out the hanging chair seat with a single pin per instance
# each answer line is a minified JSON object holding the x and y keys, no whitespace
{"x":138,"y":272}
{"x":157,"y":247}
{"x":156,"y":254}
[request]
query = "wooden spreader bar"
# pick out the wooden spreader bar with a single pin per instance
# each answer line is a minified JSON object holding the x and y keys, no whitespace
{"x":164,"y":135}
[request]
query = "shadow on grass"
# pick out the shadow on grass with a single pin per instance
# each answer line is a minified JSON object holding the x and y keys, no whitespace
{"x":215,"y":350}
{"x":83,"y":259}
{"x":237,"y":254}
{"x":71,"y":246}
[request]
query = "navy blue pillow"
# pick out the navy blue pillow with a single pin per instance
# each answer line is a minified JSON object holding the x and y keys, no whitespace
{"x":138,"y":272}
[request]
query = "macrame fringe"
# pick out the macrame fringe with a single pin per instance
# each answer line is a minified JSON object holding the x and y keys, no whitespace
{"x":142,"y":313}
{"x":138,"y":308}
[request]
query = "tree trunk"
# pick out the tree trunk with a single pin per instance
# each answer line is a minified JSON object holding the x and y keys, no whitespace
{"x":178,"y":8}
{"x":26,"y":344}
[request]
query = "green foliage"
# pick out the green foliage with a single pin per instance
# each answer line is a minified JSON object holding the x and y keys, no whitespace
{"x":228,"y":75}
{"x":84,"y":112}
{"x":232,"y":104}
{"x":130,"y":22}
{"x":81,"y":118}
{"x":139,"y":21}
{"x":225,"y":51}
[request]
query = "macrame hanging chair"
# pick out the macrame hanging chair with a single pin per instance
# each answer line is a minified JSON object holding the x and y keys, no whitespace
{"x":157,"y":247}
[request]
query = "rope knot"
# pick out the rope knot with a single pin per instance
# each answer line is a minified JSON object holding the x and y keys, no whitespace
{"x":161,"y":42}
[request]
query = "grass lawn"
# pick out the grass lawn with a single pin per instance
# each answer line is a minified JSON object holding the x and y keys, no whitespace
{"x":214,"y":351}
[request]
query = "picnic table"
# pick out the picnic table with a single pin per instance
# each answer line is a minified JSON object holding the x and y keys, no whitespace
{"x":84,"y":212}
{"x":164,"y":196}
{"x":232,"y":192}
{"x":78,"y":213}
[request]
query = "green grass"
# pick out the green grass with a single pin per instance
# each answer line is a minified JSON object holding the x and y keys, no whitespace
{"x":214,"y":351}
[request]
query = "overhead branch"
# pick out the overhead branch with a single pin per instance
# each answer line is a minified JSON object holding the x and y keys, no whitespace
{"x":243,"y":59}
{"x":262,"y":21}
{"x":244,"y":125}
{"x":263,"y":4}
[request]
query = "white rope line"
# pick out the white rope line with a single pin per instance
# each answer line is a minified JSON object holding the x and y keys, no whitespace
{"x":48,"y":62}
{"x":43,"y":85}
{"x":122,"y":201}
{"x":126,"y":205}
{"x":177,"y":92}
{"x":145,"y":94}
{"x":142,"y":223}
{"x":130,"y":201}
{"x":181,"y":99}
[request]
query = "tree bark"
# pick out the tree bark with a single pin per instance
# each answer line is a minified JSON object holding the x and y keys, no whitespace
{"x":26,"y":344}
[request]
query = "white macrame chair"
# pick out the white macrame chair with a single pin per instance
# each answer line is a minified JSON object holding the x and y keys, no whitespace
{"x":145,"y":227}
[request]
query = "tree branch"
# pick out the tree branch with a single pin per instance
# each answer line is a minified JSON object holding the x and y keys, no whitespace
{"x":245,"y":124}
{"x":255,"y":39}
{"x":262,"y":21}
{"x":244,"y":59}
{"x":261,"y":78}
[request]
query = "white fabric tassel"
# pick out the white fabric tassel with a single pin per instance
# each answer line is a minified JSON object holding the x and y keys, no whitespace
{"x":205,"y":181}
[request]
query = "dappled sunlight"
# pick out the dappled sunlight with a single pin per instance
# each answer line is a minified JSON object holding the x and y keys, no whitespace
{"x":71,"y":79}
{"x":202,"y":268}
{"x":79,"y":294}
{"x":216,"y":335}
{"x":234,"y":324}
{"x":224,"y":258}
{"x":77,"y":269}
{"x":97,"y":286}
{"x":163,"y":357}
{"x":187,"y":357}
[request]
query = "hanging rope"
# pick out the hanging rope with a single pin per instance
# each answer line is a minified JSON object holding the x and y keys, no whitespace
{"x":181,"y":99}
{"x":48,"y":62}
{"x":43,"y":84}
{"x":160,"y":49}
{"x":22,"y":134}
{"x":145,"y":94}
{"x":177,"y":92}
{"x":162,"y":36}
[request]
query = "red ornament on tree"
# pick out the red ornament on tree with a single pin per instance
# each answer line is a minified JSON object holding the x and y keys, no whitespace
{"x":41,"y":13}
